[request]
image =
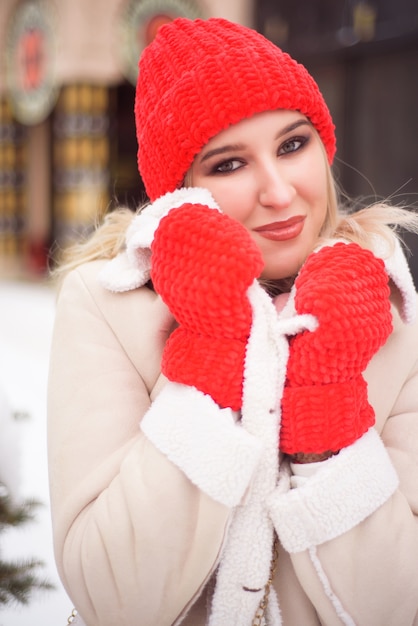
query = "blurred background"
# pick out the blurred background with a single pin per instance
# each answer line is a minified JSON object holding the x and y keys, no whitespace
{"x":68,"y":155}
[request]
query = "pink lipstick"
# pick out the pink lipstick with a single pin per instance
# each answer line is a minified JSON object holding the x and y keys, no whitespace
{"x":282,"y":230}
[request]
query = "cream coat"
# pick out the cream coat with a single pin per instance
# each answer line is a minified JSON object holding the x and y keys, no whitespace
{"x":143,"y":514}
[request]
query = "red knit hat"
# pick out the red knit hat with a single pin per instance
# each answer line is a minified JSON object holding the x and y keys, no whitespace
{"x":197,"y":78}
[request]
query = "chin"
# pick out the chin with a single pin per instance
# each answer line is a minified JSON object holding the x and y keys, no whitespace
{"x":282,"y":273}
{"x":284,"y":264}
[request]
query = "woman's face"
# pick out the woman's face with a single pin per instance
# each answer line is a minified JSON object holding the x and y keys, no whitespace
{"x":269,"y":172}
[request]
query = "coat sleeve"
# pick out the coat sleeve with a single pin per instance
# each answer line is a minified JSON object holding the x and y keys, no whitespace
{"x":351,"y":527}
{"x":137,"y":528}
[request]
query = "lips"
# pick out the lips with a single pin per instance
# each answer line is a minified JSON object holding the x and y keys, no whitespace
{"x":282,"y":230}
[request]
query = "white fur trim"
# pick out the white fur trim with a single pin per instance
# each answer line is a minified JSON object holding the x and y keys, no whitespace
{"x":398,"y":269}
{"x":203,"y":440}
{"x":131,"y":268}
{"x":399,"y":272}
{"x":348,"y":488}
{"x":120,"y":274}
{"x":140,"y":233}
{"x":247,"y":554}
{"x":245,"y":562}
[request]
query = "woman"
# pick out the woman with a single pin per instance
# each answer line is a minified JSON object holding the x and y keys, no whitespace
{"x":233,"y":432}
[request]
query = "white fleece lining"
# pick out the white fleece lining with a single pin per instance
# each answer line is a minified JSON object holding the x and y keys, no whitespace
{"x":349,"y":488}
{"x":246,"y":558}
{"x":245,"y":562}
{"x":346,"y":619}
{"x":203,"y":440}
{"x":131,"y":268}
{"x":399,"y":271}
{"x":247,"y":554}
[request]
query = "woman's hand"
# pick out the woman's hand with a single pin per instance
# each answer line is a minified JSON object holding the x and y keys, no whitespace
{"x":325,"y":404}
{"x":202,"y":265}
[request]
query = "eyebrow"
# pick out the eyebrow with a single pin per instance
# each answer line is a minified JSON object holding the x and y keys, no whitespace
{"x":234,"y":147}
{"x":231,"y":147}
{"x":291,"y":127}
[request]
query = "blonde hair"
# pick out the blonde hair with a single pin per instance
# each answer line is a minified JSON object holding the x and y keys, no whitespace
{"x":347,"y":219}
{"x":106,"y":241}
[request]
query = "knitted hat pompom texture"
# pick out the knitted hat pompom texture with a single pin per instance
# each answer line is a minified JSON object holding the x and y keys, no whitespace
{"x":200,"y":76}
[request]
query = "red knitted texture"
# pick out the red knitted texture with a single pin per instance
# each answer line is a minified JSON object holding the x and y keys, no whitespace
{"x":197,"y":78}
{"x":202,"y":265}
{"x":325,"y":404}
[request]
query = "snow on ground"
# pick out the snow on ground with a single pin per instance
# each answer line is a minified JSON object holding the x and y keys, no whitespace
{"x":26,"y":319}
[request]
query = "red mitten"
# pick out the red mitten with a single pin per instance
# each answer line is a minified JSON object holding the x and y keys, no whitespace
{"x":202,"y":265}
{"x":325,"y":404}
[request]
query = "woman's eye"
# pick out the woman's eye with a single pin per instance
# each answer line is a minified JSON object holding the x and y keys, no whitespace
{"x":227,"y":166}
{"x":292,"y":145}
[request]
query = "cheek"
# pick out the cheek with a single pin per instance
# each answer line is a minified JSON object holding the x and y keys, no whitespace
{"x":235,"y":200}
{"x":315,"y":191}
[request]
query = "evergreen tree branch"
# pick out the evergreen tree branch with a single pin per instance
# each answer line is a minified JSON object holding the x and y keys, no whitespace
{"x":18,"y":580}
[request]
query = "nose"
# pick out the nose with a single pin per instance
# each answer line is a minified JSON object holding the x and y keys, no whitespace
{"x":275,"y":189}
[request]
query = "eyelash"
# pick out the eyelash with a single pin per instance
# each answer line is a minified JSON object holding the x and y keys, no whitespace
{"x":301,"y":140}
{"x":217,"y":168}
